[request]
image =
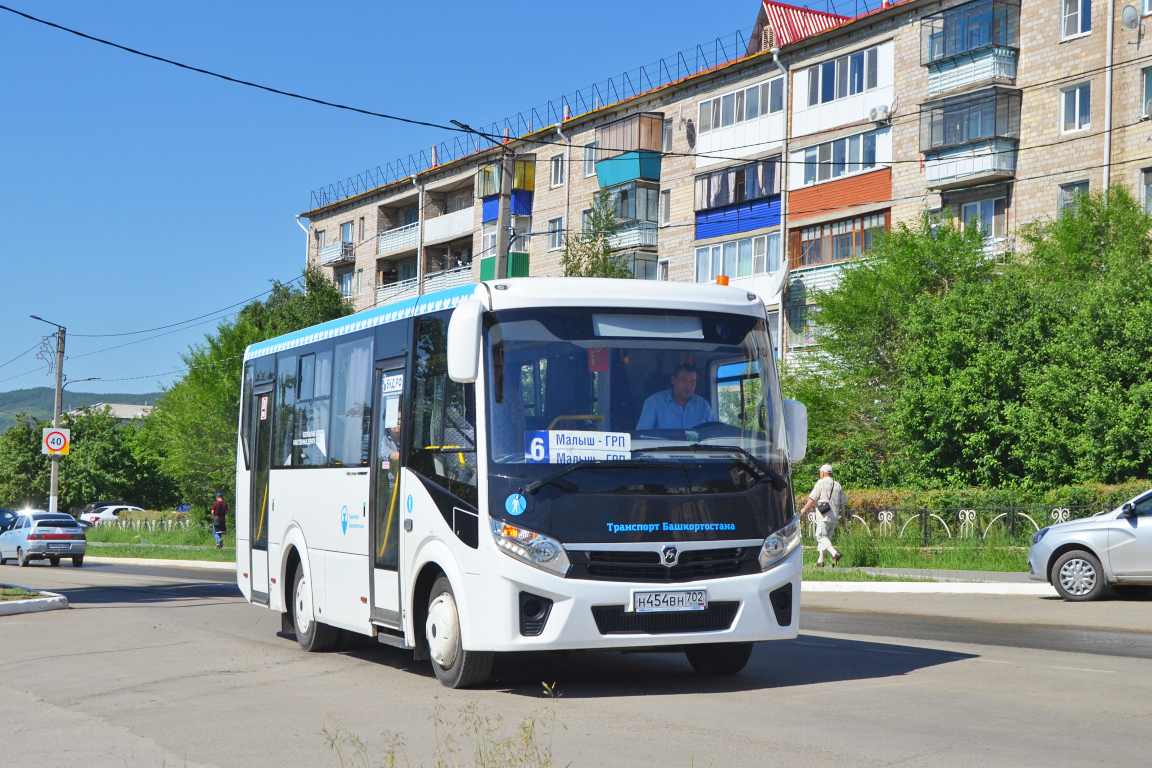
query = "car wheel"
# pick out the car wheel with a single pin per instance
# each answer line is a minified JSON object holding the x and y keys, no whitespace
{"x":312,"y":635}
{"x":454,"y":666}
{"x":21,"y":560}
{"x":1078,"y":576}
{"x":54,"y":562}
{"x":78,"y":561}
{"x":1133,"y":591}
{"x":719,"y":658}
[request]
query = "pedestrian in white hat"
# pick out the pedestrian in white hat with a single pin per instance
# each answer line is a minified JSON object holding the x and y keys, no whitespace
{"x":830,"y":501}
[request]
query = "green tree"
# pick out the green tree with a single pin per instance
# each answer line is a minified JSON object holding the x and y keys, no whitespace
{"x":24,"y":472}
{"x":194,"y":426}
{"x":589,"y":253}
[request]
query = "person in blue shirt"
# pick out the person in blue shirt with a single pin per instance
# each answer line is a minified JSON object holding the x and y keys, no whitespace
{"x":678,"y":407}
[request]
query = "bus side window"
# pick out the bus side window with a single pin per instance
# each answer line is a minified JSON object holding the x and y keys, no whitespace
{"x":284,"y":414}
{"x":246,"y":409}
{"x":442,"y":445}
{"x":352,"y":404}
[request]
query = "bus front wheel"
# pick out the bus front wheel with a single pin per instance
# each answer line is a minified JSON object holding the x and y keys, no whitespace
{"x":719,"y":658}
{"x":454,"y":666}
{"x":311,"y":634}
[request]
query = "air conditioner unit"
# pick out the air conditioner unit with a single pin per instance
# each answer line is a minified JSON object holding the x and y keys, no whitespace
{"x":878,"y":114}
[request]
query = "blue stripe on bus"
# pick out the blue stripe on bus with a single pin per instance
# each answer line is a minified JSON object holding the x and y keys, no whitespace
{"x":418,"y":305}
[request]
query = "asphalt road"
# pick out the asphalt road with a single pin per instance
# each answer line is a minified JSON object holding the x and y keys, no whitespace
{"x":163,"y":666}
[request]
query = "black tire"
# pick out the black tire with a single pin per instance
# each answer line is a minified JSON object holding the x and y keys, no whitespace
{"x":717,"y":659}
{"x":312,"y":635}
{"x":464,"y":669}
{"x":1133,"y":591}
{"x":54,"y":562}
{"x":21,"y":559}
{"x":1078,"y":576}
{"x":78,"y":561}
{"x":3,"y":561}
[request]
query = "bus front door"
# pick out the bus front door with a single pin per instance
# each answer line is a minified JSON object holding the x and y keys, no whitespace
{"x":385,"y":502}
{"x":258,"y":501}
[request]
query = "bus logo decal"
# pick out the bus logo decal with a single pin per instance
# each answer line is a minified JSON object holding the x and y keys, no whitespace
{"x":409,"y":503}
{"x":669,"y":555}
{"x":344,"y":520}
{"x":515,"y":504}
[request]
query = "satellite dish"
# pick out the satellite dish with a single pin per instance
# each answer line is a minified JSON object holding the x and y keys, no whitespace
{"x":1130,"y":17}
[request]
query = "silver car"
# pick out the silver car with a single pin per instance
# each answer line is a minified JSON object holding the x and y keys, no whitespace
{"x":1082,"y":557}
{"x":39,"y":535}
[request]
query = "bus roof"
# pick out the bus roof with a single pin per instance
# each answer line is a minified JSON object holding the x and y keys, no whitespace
{"x":531,"y":292}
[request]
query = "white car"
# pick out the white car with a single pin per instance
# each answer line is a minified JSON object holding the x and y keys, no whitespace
{"x":107,"y":514}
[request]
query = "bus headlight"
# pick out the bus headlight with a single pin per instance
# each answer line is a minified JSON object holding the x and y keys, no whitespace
{"x":780,"y":544}
{"x":531,"y":547}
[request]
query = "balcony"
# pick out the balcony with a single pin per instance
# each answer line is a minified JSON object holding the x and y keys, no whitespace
{"x":997,"y":247}
{"x":449,"y":226}
{"x":449,"y":278}
{"x":629,"y":149}
{"x":991,"y":64}
{"x":975,"y":163}
{"x":337,"y":253}
{"x":400,"y":239}
{"x":970,"y":44}
{"x":404,"y":289}
{"x":634,"y":234}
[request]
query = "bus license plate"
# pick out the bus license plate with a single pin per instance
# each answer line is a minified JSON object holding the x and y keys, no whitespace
{"x":681,"y":600}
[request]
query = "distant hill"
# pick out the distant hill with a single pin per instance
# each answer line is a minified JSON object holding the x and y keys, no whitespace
{"x":39,"y":402}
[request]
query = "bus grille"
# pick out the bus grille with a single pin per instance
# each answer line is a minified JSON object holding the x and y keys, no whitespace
{"x":613,"y":620}
{"x":696,"y":564}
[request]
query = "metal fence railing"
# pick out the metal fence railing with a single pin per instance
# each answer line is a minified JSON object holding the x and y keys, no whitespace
{"x":958,"y":523}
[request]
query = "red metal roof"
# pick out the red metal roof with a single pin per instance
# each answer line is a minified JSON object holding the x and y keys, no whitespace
{"x":790,"y":23}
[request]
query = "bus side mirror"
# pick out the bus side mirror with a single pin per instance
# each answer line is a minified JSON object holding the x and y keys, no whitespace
{"x":464,"y":341}
{"x":796,"y":425}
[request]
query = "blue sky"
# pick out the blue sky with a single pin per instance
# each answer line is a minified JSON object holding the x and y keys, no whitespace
{"x":135,"y":194}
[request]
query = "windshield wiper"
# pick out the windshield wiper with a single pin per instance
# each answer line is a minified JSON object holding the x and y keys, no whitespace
{"x":536,"y":485}
{"x":779,"y":482}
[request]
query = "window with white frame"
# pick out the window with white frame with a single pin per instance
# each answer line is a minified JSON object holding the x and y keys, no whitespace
{"x":359,"y":281}
{"x":321,"y":238}
{"x":738,"y":258}
{"x":749,"y":103}
{"x":666,"y":144}
{"x":988,"y":215}
{"x":1069,"y":193}
{"x":557,"y":170}
{"x":801,"y":325}
{"x":1146,"y":178}
{"x":488,"y":240}
{"x":738,"y":184}
{"x":345,"y":281}
{"x":555,"y":234}
{"x":662,"y":271}
{"x":586,"y":220}
{"x":590,"y":158}
{"x":346,"y":232}
{"x":838,"y":240}
{"x":843,"y":77}
{"x":1147,"y":7}
{"x":1076,"y":108}
{"x":1075,"y":17}
{"x":842,"y":157}
{"x":665,"y":206}
{"x":1147,"y":76}
{"x":361,"y":229}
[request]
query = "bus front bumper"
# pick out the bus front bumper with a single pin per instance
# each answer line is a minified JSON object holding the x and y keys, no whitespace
{"x":596,"y":615}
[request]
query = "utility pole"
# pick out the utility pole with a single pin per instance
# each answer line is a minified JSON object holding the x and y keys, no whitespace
{"x":54,"y":494}
{"x":504,"y":215}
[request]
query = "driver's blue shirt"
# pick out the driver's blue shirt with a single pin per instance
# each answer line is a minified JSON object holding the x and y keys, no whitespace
{"x":662,"y":412}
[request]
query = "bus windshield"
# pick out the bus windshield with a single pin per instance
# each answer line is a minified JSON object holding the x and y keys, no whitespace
{"x":597,"y":386}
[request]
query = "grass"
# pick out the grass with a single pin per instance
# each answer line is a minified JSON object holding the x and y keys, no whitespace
{"x":161,"y":552}
{"x":195,"y":535}
{"x":16,"y":593}
{"x":863,"y":550}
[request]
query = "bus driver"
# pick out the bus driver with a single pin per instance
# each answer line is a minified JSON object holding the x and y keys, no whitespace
{"x":678,"y":407}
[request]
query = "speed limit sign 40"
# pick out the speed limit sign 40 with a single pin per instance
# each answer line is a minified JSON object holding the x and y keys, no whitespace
{"x":56,"y":441}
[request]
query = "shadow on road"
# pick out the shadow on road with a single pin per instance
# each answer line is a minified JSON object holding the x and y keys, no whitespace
{"x":809,"y":660}
{"x":152,"y":593}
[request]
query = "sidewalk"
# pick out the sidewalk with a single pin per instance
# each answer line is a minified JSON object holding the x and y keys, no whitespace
{"x":999,"y":577}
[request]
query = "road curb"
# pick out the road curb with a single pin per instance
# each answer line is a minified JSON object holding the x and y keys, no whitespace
{"x":212,"y":565}
{"x":53,"y":602}
{"x":931,"y":588}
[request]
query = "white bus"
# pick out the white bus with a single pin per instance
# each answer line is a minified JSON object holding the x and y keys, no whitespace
{"x":525,"y":464}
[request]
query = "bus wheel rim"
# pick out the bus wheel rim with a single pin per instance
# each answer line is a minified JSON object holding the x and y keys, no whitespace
{"x":442,"y":630}
{"x":303,"y":607}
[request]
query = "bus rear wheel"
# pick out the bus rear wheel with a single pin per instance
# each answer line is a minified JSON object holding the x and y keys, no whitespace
{"x":312,"y":635}
{"x":719,"y":658}
{"x":454,"y":666}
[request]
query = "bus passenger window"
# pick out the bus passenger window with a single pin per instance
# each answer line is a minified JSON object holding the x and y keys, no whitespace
{"x":310,"y":429}
{"x":352,"y":404}
{"x":283,"y":422}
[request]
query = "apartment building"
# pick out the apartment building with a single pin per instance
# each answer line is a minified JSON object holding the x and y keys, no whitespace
{"x":789,"y":159}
